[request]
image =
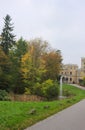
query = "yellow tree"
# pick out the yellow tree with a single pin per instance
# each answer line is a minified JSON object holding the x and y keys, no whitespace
{"x":26,"y":65}
{"x":29,"y":70}
{"x":40,"y":63}
{"x":32,"y":64}
{"x":53,"y":62}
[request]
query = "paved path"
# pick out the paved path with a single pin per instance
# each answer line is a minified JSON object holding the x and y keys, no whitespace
{"x":78,"y":86}
{"x":72,"y":118}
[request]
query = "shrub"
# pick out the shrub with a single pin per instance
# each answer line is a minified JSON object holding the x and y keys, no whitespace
{"x":50,"y":89}
{"x":82,"y":82}
{"x":38,"y":89}
{"x":27,"y":91}
{"x":4,"y":95}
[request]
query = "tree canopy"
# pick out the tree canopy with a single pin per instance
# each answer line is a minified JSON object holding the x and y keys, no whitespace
{"x":28,"y":66}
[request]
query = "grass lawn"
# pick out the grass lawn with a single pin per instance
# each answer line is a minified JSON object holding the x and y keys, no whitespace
{"x":16,"y":115}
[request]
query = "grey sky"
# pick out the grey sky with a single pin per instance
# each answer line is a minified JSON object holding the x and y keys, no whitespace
{"x":60,"y":22}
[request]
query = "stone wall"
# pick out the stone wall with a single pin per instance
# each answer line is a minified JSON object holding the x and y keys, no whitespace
{"x":15,"y":97}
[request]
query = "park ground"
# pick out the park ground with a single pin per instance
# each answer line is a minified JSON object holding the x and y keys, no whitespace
{"x":18,"y":115}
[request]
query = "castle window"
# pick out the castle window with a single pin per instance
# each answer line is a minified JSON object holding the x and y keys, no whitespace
{"x":66,"y":79}
{"x":70,"y":73}
{"x":70,"y":79}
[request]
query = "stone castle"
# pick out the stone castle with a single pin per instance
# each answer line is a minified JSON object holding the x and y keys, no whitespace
{"x":71,"y":72}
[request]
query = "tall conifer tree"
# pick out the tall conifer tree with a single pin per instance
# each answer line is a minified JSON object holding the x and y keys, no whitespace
{"x":7,"y":38}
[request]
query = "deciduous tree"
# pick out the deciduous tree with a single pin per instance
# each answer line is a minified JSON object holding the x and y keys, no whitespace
{"x":53,"y":62}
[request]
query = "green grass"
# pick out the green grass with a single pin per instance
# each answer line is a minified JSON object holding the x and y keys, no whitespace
{"x":15,"y":115}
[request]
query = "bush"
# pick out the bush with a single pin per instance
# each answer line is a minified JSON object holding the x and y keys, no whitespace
{"x":38,"y":89}
{"x":4,"y":95}
{"x":27,"y":91}
{"x":82,"y":82}
{"x":50,"y":89}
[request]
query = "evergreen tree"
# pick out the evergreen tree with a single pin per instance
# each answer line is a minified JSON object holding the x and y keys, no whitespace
{"x":5,"y":68}
{"x":7,"y":38}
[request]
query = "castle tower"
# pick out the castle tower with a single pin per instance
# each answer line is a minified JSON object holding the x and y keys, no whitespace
{"x":83,"y":64}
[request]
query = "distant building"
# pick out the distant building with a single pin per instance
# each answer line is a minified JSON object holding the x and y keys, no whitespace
{"x":81,"y":72}
{"x":72,"y":74}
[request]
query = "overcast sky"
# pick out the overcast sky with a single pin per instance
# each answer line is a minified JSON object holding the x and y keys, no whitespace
{"x":60,"y":22}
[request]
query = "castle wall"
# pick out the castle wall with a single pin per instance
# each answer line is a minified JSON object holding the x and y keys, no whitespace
{"x":72,"y":74}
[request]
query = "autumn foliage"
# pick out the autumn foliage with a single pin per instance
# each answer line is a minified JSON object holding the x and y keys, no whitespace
{"x":30,"y":67}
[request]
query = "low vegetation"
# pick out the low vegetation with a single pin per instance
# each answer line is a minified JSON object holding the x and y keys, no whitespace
{"x":19,"y":115}
{"x":82,"y":82}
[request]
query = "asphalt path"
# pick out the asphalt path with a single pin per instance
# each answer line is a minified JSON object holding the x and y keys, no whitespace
{"x":78,"y":86}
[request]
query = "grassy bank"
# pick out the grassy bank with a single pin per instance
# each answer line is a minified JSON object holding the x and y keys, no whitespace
{"x":18,"y":115}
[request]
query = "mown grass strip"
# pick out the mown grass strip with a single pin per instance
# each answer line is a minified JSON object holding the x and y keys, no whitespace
{"x":17,"y":115}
